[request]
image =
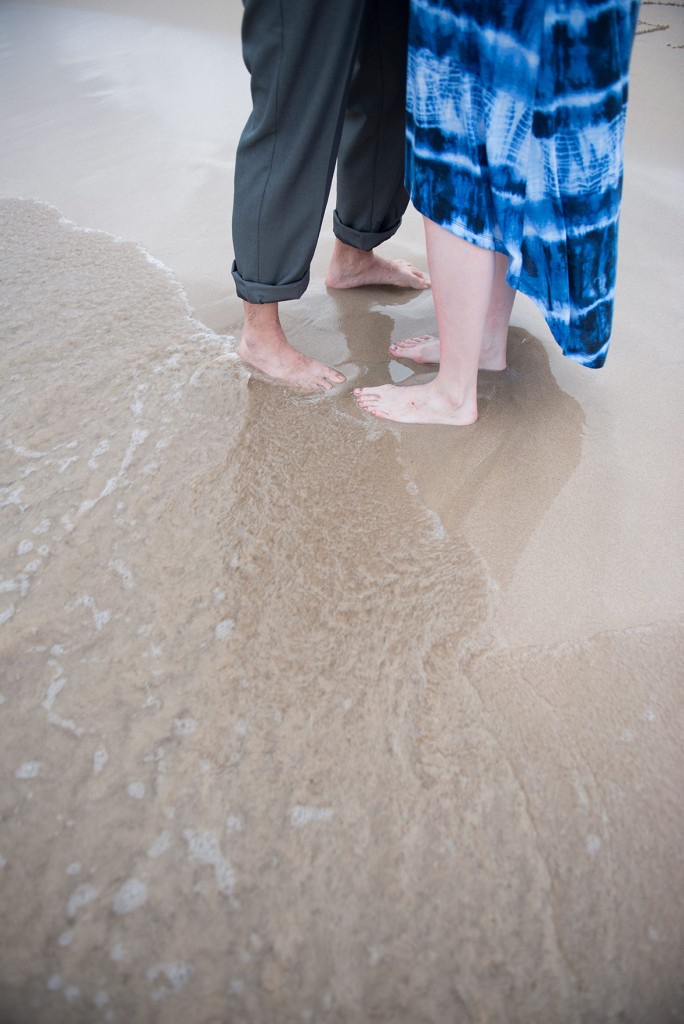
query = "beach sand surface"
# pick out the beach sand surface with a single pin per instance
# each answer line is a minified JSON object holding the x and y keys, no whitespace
{"x":307,"y":716}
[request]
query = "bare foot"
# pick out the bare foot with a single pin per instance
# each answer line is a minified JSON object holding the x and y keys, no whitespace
{"x":285,"y":364}
{"x":264,"y":347}
{"x":425,"y":349}
{"x":419,"y":403}
{"x":352,"y":268}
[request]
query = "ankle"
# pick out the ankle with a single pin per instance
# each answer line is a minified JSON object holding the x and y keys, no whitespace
{"x":261,"y":321}
{"x":260,"y":316}
{"x":349,"y":255}
{"x":454,"y":394}
{"x":493,"y":352}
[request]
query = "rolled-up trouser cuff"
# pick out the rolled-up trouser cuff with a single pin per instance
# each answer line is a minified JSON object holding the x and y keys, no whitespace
{"x":252,"y":291}
{"x":365,"y":240}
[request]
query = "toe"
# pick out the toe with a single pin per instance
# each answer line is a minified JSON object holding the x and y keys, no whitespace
{"x":403,"y":346}
{"x":366,"y":403}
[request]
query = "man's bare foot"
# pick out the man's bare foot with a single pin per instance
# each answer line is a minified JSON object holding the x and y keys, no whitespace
{"x":419,"y":403}
{"x":352,"y":268}
{"x":285,"y":364}
{"x":264,"y":347}
{"x":425,"y":349}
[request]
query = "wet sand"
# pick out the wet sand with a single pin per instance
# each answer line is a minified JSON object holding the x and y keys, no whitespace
{"x":308,"y":717}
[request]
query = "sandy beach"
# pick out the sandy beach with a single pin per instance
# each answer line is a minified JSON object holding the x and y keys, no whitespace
{"x":308,"y":717}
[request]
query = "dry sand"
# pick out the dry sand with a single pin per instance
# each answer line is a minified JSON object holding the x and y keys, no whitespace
{"x":307,"y":717}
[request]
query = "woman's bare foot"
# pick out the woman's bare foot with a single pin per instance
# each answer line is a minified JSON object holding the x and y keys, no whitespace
{"x":353,"y":268}
{"x":264,"y":347}
{"x":425,"y":349}
{"x":419,"y":403}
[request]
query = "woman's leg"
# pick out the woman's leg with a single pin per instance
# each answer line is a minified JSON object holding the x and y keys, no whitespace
{"x":493,"y":354}
{"x":463,"y":277}
{"x":425,"y":348}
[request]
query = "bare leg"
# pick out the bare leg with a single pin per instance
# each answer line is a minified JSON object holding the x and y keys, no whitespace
{"x":425,"y":348}
{"x":351,"y":268}
{"x":264,"y":346}
{"x":463,"y":280}
{"x":493,"y":354}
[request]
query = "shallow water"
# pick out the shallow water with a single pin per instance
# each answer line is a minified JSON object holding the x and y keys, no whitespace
{"x":261,"y":750}
{"x":307,"y":717}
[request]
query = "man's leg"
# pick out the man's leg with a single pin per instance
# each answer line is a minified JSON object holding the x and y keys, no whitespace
{"x":371,"y":197}
{"x":301,"y":55}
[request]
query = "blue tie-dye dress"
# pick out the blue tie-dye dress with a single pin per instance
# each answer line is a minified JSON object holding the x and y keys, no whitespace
{"x":516,"y":113}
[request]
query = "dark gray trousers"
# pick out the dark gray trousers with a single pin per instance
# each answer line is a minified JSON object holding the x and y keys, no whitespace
{"x":328,"y":81}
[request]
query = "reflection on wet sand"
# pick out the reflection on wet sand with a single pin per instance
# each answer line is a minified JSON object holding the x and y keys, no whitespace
{"x":492,"y":482}
{"x":500,"y":481}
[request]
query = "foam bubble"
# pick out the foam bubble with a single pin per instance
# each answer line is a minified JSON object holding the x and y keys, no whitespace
{"x":224,"y":629}
{"x":57,"y":684}
{"x":131,"y":895}
{"x":66,"y":723}
{"x":301,"y":815}
{"x":160,"y":845}
{"x":177,"y":975}
{"x":7,"y":614}
{"x":81,"y":897}
{"x":204,"y":849}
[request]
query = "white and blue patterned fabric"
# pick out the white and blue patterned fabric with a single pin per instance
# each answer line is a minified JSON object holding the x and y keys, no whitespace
{"x":516,"y":114}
